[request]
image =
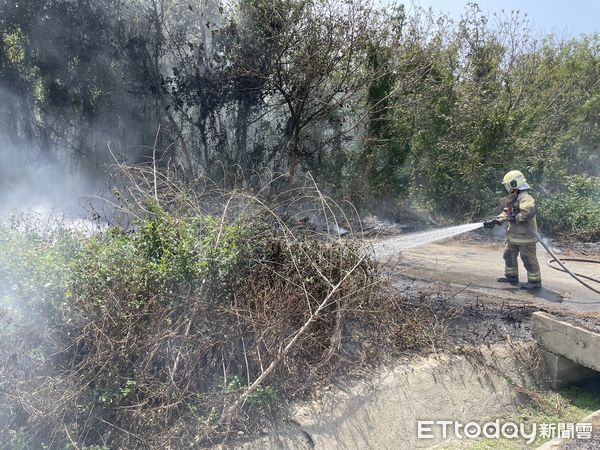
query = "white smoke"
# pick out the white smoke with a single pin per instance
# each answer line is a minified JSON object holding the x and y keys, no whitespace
{"x":45,"y":189}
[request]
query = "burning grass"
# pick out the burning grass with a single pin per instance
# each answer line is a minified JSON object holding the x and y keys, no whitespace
{"x":192,"y":321}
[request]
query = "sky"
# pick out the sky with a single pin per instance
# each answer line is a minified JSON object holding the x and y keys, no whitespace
{"x":563,"y":17}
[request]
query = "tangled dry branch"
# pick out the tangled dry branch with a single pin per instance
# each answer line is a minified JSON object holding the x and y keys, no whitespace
{"x":203,"y":312}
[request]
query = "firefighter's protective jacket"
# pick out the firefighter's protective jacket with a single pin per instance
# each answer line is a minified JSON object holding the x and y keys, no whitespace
{"x":524,"y":205}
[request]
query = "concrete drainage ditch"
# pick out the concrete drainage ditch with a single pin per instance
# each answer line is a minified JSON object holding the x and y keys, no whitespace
{"x":475,"y":384}
{"x":382,"y":413}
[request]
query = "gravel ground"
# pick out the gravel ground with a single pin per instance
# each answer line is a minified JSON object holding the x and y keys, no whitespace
{"x":586,"y":444}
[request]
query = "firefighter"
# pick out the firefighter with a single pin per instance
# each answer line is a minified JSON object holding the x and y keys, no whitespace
{"x":520,"y":213}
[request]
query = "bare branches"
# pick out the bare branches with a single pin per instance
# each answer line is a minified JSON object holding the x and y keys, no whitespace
{"x":209,"y":313}
{"x":227,"y":417}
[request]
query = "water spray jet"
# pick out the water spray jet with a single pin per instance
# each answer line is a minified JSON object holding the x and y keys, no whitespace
{"x":405,"y":242}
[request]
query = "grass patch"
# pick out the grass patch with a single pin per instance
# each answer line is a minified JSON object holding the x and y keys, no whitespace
{"x":565,"y":406}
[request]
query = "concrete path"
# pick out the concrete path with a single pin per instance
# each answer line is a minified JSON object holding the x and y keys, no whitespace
{"x":465,"y":262}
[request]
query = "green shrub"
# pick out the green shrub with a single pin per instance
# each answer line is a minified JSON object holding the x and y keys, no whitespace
{"x":34,"y":270}
{"x":157,"y":328}
{"x":572,"y":209}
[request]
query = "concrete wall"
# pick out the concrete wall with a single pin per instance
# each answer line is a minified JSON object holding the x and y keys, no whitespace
{"x":572,"y":353}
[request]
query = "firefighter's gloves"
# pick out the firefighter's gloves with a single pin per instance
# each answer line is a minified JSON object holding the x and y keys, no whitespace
{"x":491,"y":223}
{"x":512,"y":218}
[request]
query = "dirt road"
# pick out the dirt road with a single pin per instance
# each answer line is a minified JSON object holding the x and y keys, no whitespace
{"x":477,"y":265}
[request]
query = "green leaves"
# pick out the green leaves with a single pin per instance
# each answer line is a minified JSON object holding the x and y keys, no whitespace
{"x":14,"y":46}
{"x":34,"y":269}
{"x":472,"y":102}
{"x":572,"y":208}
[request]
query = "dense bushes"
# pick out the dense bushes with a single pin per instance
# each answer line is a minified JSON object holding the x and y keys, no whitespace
{"x":572,"y":210}
{"x":146,"y":336}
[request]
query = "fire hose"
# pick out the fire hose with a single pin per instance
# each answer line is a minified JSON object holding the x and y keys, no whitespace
{"x":560,"y":262}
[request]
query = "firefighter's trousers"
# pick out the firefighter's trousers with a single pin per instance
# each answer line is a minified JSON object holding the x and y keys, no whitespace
{"x":529,"y":258}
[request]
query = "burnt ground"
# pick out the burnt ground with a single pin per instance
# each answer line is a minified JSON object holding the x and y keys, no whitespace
{"x":472,"y":317}
{"x":457,"y":278}
{"x":467,"y":317}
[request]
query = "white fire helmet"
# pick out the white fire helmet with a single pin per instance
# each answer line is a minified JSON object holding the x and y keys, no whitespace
{"x":514,"y":180}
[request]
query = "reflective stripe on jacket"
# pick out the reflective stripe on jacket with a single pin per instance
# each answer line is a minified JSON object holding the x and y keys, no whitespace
{"x":518,"y":232}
